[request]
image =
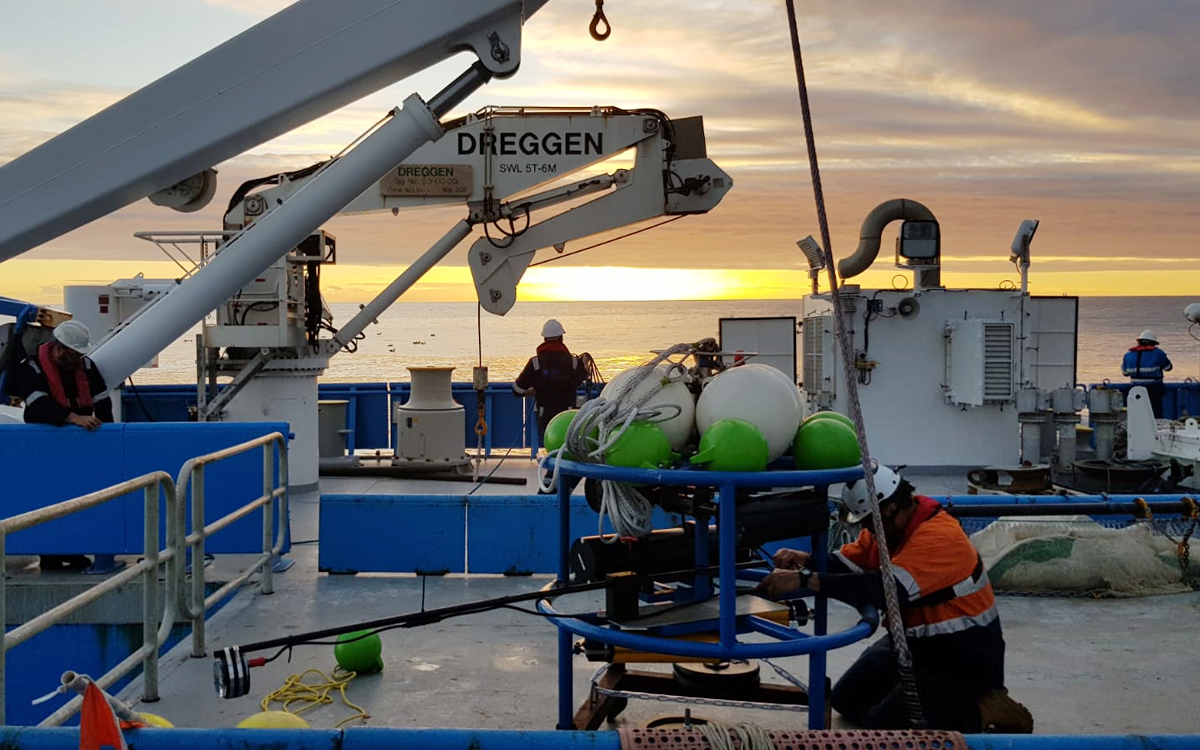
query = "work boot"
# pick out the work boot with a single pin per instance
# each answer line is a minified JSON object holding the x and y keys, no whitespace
{"x":1000,"y":714}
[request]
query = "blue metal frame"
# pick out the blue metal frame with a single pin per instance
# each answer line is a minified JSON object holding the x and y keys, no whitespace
{"x":789,"y":642}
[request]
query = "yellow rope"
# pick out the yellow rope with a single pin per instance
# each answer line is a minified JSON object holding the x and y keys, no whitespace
{"x":296,"y":690}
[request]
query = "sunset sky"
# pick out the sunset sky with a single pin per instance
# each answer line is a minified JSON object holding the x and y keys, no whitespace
{"x":1084,"y":114}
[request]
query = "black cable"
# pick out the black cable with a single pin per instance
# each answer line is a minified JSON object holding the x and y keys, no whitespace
{"x":312,"y":303}
{"x":256,"y":306}
{"x":141,"y":404}
{"x":507,"y":453}
{"x":428,"y":617}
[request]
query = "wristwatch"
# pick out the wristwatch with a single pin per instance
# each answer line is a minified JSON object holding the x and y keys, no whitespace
{"x":805,"y":575}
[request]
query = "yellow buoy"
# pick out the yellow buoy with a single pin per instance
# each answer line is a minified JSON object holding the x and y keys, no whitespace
{"x":273,"y":720}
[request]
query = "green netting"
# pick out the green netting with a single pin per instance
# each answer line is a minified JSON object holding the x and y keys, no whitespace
{"x":1079,"y":555}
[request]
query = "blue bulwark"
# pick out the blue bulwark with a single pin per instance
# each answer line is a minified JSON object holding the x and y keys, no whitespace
{"x":510,"y":420}
{"x":427,"y":534}
{"x":44,"y":465}
{"x":518,"y":534}
{"x":392,"y":534}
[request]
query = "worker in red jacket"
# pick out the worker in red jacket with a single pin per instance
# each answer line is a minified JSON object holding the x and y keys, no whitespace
{"x":946,"y":602}
{"x":60,"y":385}
{"x":551,"y":377}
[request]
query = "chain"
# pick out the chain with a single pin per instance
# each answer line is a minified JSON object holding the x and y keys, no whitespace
{"x":696,"y":701}
{"x":1182,"y":548}
{"x":785,"y":674}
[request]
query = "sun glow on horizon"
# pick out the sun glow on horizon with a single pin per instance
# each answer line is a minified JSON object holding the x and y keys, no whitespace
{"x":42,"y":281}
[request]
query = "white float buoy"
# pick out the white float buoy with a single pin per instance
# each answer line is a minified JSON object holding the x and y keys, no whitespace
{"x":763,"y":399}
{"x":678,"y":428}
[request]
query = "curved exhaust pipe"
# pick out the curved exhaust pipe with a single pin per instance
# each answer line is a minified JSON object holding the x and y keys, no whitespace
{"x":872,"y":231}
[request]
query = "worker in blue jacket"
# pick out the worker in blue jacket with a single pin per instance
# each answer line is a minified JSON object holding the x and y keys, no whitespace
{"x":1145,"y":364}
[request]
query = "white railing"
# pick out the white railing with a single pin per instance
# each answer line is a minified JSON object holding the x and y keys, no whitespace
{"x":159,"y":616}
{"x":193,"y":473}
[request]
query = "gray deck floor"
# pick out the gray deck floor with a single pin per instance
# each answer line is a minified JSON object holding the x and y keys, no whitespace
{"x":1080,"y":665}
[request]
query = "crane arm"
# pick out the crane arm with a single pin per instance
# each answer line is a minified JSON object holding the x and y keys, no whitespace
{"x":305,"y":61}
{"x":657,"y":185}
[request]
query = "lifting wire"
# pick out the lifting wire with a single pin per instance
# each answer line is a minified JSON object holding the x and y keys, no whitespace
{"x":895,"y":623}
{"x":605,"y":242}
{"x":481,"y":426}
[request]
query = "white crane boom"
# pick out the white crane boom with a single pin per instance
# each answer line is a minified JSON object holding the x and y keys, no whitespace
{"x":305,"y":61}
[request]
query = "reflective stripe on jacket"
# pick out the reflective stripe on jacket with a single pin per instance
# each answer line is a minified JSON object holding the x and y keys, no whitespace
{"x":1145,"y":363}
{"x":937,"y":566}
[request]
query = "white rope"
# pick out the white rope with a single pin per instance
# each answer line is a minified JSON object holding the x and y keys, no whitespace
{"x":748,"y":736}
{"x":600,"y":424}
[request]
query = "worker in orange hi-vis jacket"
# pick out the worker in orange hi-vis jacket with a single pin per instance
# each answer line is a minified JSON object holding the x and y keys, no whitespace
{"x":947,"y":605}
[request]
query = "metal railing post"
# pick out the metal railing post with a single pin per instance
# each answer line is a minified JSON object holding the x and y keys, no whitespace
{"x":196,"y":604}
{"x":180,"y":599}
{"x":150,"y":593}
{"x":192,"y":600}
{"x":268,"y":491}
{"x":146,"y":569}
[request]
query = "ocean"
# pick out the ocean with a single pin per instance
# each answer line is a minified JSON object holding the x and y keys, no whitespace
{"x":620,"y":335}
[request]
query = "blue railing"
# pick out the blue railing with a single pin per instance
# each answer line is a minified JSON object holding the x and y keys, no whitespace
{"x":510,"y":419}
{"x":1181,"y":400}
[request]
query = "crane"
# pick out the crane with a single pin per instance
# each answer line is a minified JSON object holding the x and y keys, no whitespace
{"x":162,"y":142}
{"x":267,"y":337}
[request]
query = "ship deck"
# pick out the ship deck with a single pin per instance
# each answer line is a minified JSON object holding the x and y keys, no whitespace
{"x":1082,"y":665}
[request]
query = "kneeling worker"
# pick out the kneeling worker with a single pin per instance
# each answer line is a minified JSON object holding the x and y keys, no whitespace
{"x":947,"y":605}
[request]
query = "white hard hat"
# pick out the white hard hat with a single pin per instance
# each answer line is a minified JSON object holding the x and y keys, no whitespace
{"x":854,"y":494}
{"x":1148,"y":335}
{"x":74,"y":335}
{"x":552,"y":329}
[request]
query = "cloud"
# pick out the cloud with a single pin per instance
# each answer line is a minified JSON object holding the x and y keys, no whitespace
{"x":1078,"y":112}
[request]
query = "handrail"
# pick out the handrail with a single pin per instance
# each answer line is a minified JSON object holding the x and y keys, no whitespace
{"x":176,"y":600}
{"x":153,"y":636}
{"x":192,"y":474}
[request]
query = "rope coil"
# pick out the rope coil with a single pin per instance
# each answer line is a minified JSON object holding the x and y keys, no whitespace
{"x":296,"y":690}
{"x":601,"y":422}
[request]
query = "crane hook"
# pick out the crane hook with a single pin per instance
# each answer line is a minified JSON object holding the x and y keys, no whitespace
{"x":597,"y":20}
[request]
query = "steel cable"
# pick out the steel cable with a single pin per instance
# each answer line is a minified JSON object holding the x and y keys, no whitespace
{"x":894,"y":622}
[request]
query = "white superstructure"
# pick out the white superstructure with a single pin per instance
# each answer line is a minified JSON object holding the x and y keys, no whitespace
{"x":940,"y":371}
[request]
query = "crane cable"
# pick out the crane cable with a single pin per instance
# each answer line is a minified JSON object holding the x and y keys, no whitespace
{"x":895,"y":624}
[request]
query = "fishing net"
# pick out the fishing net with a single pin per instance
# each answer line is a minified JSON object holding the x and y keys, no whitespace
{"x":1076,"y":555}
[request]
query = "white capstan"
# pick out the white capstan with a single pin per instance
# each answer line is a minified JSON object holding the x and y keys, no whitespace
{"x":552,"y":329}
{"x":854,"y":494}
{"x":74,"y":335}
